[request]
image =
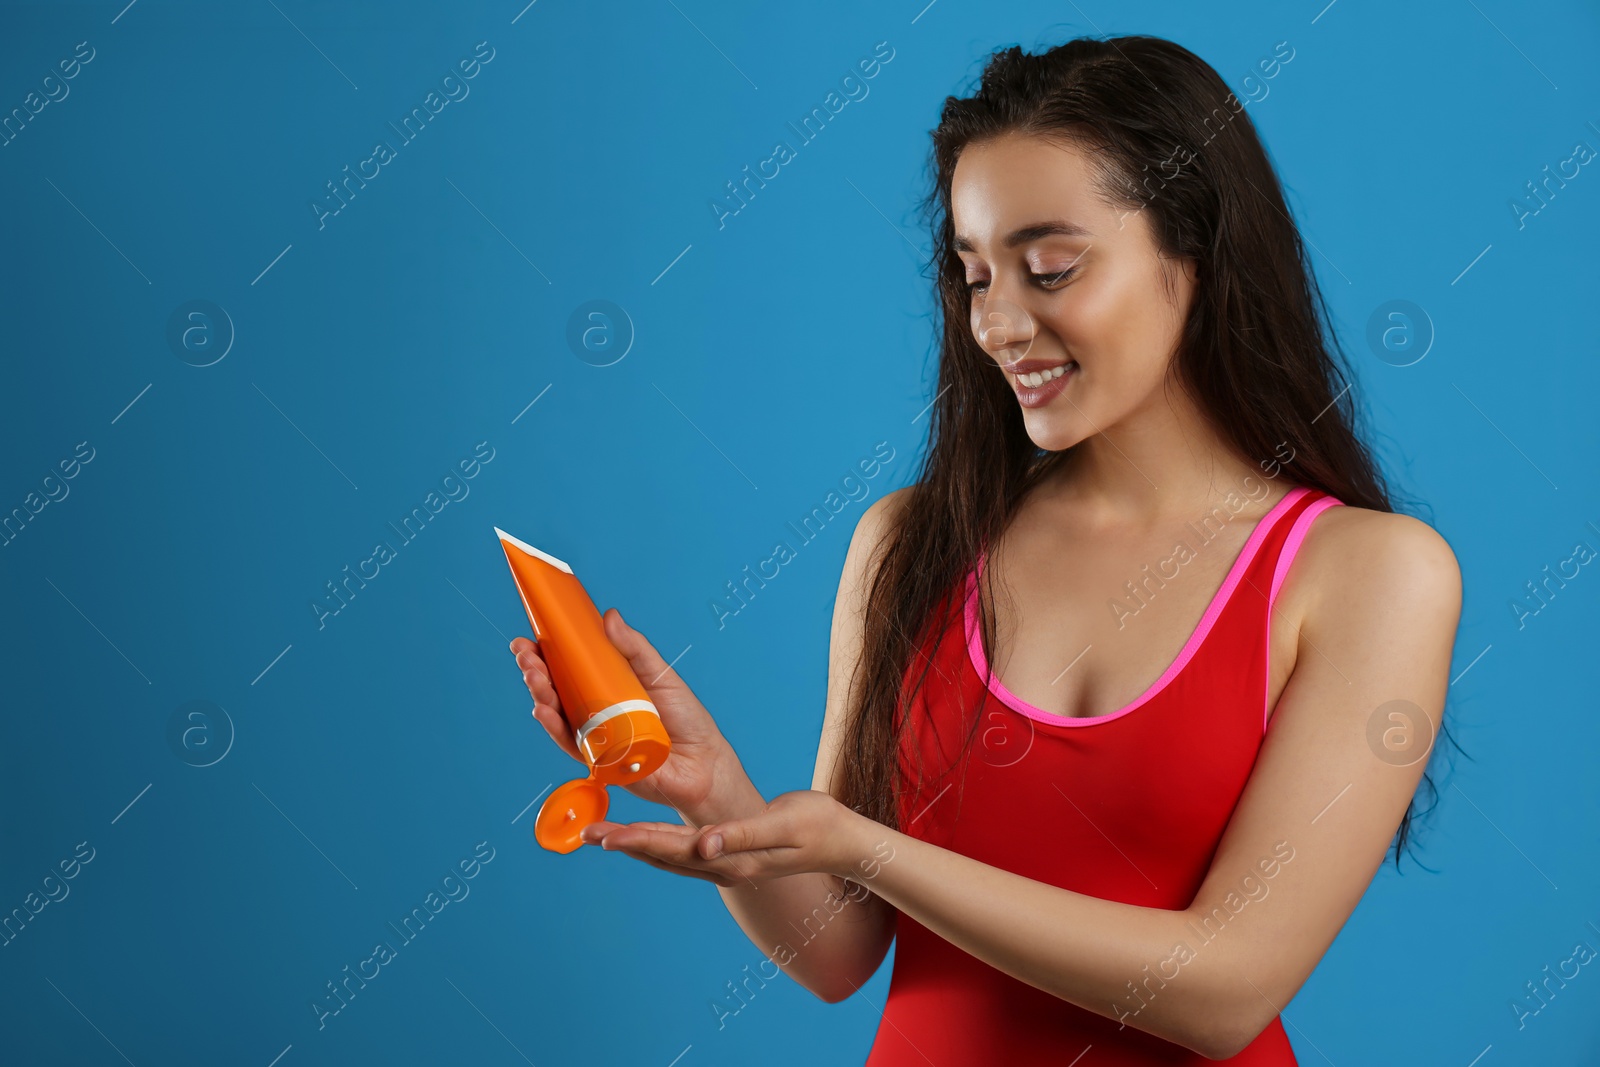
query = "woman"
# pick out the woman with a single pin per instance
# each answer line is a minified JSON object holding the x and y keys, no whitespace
{"x":1143,"y":840}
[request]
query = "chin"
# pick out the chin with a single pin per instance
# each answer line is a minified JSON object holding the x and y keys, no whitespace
{"x":1053,"y":431}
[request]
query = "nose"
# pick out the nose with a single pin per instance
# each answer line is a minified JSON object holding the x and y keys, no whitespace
{"x":1004,"y":328}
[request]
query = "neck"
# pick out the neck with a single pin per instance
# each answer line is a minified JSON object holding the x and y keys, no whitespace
{"x":1162,"y":463}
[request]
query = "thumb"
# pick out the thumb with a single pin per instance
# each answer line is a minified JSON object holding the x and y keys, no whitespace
{"x":687,"y":721}
{"x":744,"y":835}
{"x":653,"y":671}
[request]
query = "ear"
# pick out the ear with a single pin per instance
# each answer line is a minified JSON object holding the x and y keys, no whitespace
{"x":1180,"y":275}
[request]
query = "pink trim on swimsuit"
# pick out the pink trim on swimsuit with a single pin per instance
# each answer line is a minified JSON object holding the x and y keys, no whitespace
{"x":1213,"y":611}
{"x":1297,"y":534}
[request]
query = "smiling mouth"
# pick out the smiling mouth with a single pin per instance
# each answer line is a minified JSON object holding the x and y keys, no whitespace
{"x":1035,"y":389}
{"x":1034,"y":379}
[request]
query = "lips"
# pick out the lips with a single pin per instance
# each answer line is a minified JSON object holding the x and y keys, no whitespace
{"x":1032,"y":396}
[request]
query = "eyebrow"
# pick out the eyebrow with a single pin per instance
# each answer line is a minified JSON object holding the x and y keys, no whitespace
{"x":1031,"y":232}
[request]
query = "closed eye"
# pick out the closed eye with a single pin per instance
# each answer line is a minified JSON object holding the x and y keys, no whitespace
{"x":1044,"y":281}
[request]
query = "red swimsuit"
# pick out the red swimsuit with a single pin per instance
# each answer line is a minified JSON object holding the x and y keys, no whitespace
{"x":1135,"y":803}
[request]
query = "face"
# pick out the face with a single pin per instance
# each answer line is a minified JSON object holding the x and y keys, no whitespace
{"x":1068,"y":294}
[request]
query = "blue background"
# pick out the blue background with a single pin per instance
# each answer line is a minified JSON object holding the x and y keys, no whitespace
{"x":370,"y":356}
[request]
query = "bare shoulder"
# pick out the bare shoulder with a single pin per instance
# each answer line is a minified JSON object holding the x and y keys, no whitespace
{"x":881,"y":516}
{"x":871,"y":536}
{"x":1363,"y":567}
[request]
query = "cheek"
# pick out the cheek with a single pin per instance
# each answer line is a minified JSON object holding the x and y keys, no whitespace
{"x":1123,"y":326}
{"x":1096,"y":320}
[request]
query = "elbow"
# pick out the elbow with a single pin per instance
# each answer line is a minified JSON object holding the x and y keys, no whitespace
{"x":1223,"y":1014}
{"x":834,"y":980}
{"x":844,"y":981}
{"x":838,"y":987}
{"x":824,"y":988}
{"x":1217,"y":1048}
{"x":1227,"y":1034}
{"x":834,"y":996}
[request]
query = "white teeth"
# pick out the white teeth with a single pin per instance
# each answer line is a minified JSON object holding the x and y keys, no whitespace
{"x":1037,"y":378}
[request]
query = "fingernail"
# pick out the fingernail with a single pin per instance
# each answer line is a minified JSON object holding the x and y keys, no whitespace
{"x":715,"y":841}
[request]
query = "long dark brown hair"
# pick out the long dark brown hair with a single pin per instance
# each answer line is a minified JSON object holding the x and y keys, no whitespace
{"x":1258,"y":351}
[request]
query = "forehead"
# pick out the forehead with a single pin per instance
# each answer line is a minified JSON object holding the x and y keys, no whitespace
{"x":1016,"y":180}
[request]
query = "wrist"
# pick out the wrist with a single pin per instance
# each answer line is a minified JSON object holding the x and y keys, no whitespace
{"x":732,"y":794}
{"x":855,"y":857}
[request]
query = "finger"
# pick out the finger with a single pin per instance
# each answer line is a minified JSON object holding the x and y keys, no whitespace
{"x":592,"y":833}
{"x":555,"y":724}
{"x":595,"y":831}
{"x":691,"y":872}
{"x":642,"y":656}
{"x":668,"y":827}
{"x":529,"y":656}
{"x":679,"y":846}
{"x":537,"y":679}
{"x":536,"y":673}
{"x":547,"y":703}
{"x":662,"y":849}
{"x":530,"y":660}
{"x":769,"y":830}
{"x":673,"y":844}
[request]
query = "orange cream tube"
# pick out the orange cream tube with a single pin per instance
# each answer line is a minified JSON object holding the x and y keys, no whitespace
{"x":616,"y":726}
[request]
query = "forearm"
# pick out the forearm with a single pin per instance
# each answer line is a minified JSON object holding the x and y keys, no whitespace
{"x":828,"y":938}
{"x":1101,"y":955}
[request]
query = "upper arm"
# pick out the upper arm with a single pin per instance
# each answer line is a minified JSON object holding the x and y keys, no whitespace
{"x":1348,"y":745}
{"x":874,"y":932}
{"x":844,"y":643}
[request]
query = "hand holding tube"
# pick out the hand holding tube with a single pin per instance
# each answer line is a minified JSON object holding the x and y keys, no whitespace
{"x":610,"y":701}
{"x":702,"y":779}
